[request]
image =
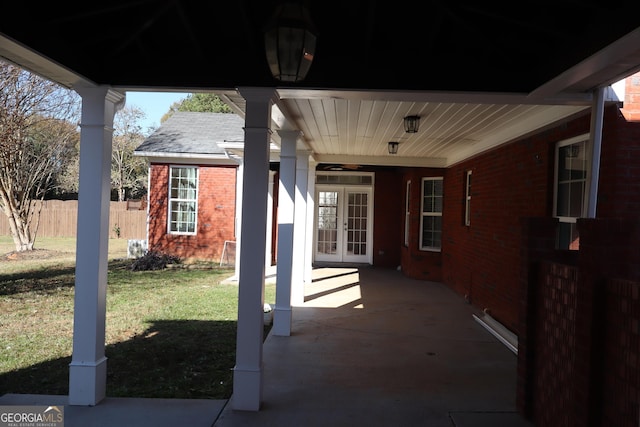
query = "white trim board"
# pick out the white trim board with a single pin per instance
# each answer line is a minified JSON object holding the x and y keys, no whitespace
{"x":498,"y":330}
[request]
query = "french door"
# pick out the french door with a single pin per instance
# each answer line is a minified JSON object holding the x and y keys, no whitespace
{"x":343,"y":224}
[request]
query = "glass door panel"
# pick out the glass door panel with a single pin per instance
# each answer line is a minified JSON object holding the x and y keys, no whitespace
{"x":356,"y":225}
{"x":327,"y":231}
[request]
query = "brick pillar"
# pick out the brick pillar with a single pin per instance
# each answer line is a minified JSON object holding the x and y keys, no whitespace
{"x":539,"y":236}
{"x":608,"y":249}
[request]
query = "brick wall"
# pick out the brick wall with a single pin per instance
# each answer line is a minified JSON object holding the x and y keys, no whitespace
{"x":539,"y":237}
{"x":555,"y":342}
{"x":619,"y":185}
{"x":216,"y":213}
{"x":416,"y":263}
{"x":631,"y":109}
{"x":482,"y":261}
{"x":388,"y":218}
{"x":578,"y":358}
{"x":622,"y":355}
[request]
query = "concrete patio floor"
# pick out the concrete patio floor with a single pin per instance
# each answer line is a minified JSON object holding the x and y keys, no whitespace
{"x":369,"y":347}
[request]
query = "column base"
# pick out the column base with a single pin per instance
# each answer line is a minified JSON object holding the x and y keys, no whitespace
{"x":247,"y":390}
{"x":87,"y":382}
{"x":281,"y":322}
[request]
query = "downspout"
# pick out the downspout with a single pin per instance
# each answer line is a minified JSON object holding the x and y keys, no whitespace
{"x":597,"y":116}
{"x":238,"y":218}
{"x":146,"y":244}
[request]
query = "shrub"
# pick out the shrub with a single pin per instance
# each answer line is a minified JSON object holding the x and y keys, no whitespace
{"x":154,"y":260}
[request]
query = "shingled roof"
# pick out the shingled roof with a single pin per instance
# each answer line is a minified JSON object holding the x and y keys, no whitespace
{"x":193,"y":133}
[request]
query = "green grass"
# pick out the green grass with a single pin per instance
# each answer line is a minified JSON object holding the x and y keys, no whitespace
{"x":169,"y":333}
{"x":50,"y":252}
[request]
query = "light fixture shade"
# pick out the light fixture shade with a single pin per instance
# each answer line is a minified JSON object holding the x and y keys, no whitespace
{"x":393,"y":147}
{"x":411,"y":124}
{"x":290,"y":42}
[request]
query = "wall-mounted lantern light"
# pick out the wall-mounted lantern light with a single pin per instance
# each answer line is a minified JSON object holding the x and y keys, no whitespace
{"x":393,"y":147}
{"x":290,"y":42}
{"x":411,"y":124}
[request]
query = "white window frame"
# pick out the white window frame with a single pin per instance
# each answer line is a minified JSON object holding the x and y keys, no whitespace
{"x":467,"y":200}
{"x":424,"y":214}
{"x":585,"y":197}
{"x":407,"y":213}
{"x":172,"y":200}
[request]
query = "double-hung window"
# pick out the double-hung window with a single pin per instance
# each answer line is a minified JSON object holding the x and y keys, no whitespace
{"x":570,"y":201}
{"x":183,"y":199}
{"x":431,"y":214}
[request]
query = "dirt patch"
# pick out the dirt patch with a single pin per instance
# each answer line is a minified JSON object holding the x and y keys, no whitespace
{"x":34,"y":254}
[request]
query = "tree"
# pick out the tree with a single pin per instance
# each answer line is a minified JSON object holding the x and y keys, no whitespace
{"x":198,"y":102}
{"x":38,"y":132}
{"x":128,"y":172}
{"x":68,"y":181}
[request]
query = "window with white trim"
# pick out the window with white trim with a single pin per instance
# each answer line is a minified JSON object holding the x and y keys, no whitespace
{"x":407,"y":211}
{"x":467,"y":200}
{"x":570,"y":192}
{"x":431,"y":214}
{"x":183,"y":199}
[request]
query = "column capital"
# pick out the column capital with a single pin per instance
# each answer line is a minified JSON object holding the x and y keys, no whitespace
{"x":258,"y":94}
{"x":106,"y":92}
{"x":288,"y":143}
{"x":258,"y":107}
{"x":305,"y":153}
{"x":290,"y":134}
{"x":99,"y":104}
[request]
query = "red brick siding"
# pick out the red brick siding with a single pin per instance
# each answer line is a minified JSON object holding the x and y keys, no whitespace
{"x":631,"y":109}
{"x":216,"y":213}
{"x":622,"y":354}
{"x":538,"y":244}
{"x":482,"y":261}
{"x":619,"y":184}
{"x":578,"y":360}
{"x":556,"y":344}
{"x":425,"y":265}
{"x":388,"y":217}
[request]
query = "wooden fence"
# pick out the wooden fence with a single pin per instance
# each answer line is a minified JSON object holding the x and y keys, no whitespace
{"x":59,"y":218}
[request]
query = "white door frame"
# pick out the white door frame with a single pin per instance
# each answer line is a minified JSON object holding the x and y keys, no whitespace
{"x":342,"y":255}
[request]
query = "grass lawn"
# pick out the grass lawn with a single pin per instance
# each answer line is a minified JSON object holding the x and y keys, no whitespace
{"x":169,"y":333}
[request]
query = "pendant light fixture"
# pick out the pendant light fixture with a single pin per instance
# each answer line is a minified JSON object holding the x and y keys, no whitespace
{"x":411,"y":124}
{"x":393,"y":147}
{"x":290,"y":42}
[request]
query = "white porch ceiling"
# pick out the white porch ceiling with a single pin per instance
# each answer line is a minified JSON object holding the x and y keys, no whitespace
{"x":355,"y":126}
{"x":346,"y":127}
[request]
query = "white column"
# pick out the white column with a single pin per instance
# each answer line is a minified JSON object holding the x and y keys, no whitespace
{"x":300,"y":229}
{"x":88,"y":368}
{"x":248,"y":371}
{"x":269,"y":245}
{"x":597,"y":117}
{"x":311,"y":190}
{"x":286,"y":212}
